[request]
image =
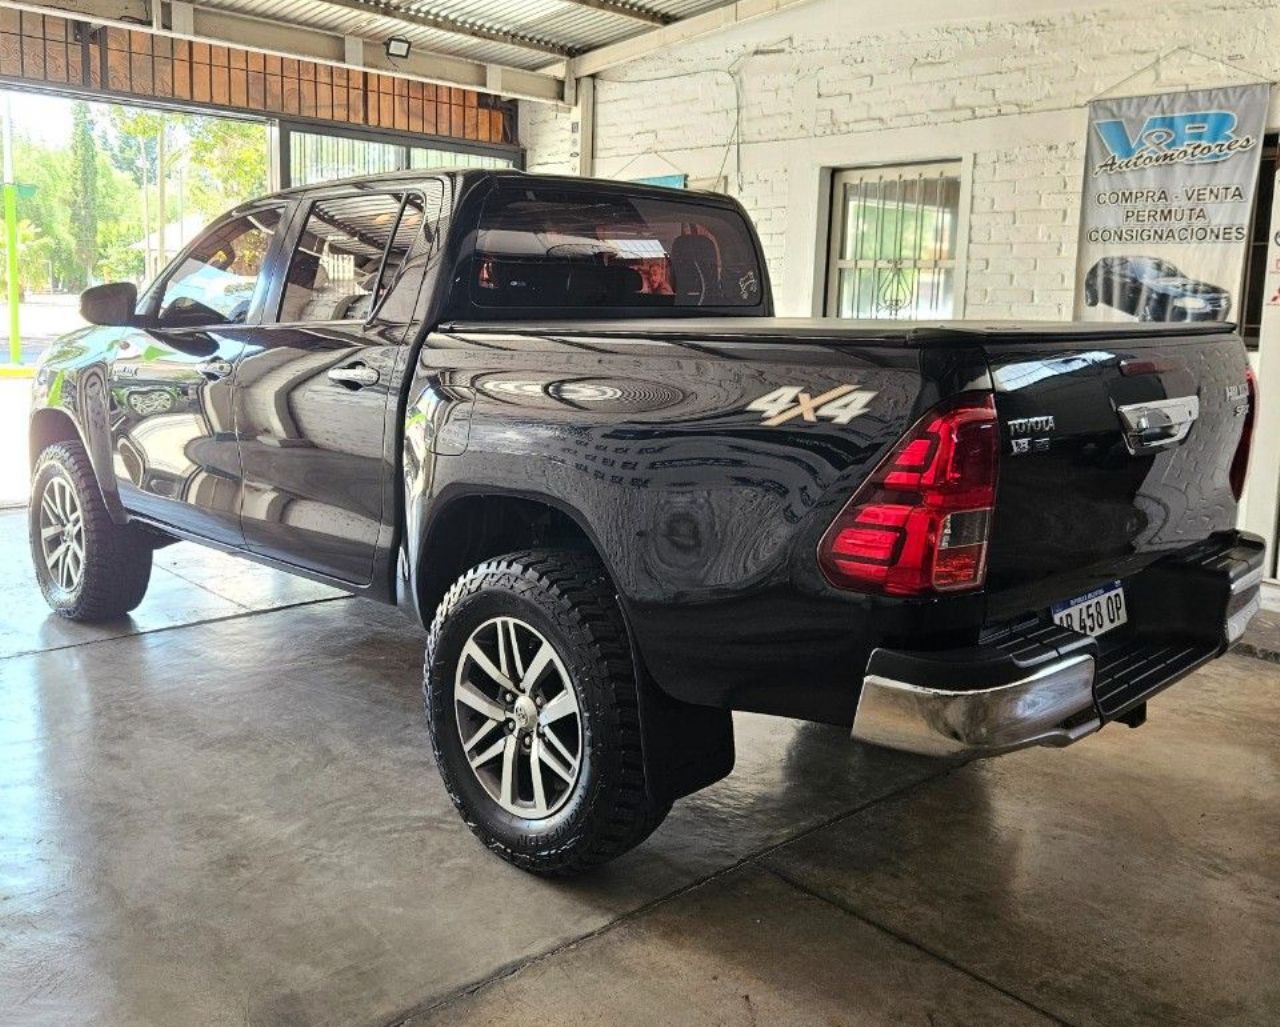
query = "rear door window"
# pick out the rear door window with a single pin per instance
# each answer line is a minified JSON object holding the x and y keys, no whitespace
{"x":352,"y":252}
{"x":548,"y":247}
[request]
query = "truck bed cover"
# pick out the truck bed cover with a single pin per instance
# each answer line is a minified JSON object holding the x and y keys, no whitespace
{"x":910,"y":333}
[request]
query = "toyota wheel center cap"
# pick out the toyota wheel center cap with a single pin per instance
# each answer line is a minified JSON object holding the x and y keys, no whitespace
{"x":526,"y":713}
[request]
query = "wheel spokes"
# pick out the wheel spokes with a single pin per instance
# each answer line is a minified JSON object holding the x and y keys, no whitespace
{"x":480,"y":733}
{"x":528,"y":769}
{"x":551,"y":760}
{"x":535,"y":774}
{"x":61,"y":530}
{"x":561,"y":706}
{"x":549,"y":737}
{"x":469,"y":695}
{"x":495,"y":749}
{"x":508,"y":786}
{"x":509,"y":658}
{"x":473,"y":651}
{"x":541,"y":661}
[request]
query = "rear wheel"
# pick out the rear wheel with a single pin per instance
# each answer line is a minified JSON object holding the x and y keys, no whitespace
{"x":89,"y":568}
{"x":533,"y":712}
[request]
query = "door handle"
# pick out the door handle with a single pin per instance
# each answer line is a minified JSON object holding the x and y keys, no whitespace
{"x":214,"y":369}
{"x":355,"y":376}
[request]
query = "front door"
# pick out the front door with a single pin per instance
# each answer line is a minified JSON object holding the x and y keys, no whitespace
{"x":172,"y":422}
{"x":315,"y":391}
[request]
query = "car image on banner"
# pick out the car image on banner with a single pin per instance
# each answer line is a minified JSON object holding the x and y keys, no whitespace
{"x":1170,"y":183}
{"x":1152,"y":289}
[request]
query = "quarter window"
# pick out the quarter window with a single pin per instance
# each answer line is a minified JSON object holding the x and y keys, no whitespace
{"x":215,"y":282}
{"x":893,"y":242}
{"x":352,"y":250}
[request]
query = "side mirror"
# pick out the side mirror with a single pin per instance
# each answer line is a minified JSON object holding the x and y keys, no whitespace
{"x":110,"y":304}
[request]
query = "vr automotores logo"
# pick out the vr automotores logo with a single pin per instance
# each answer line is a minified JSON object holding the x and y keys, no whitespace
{"x":1199,"y":138}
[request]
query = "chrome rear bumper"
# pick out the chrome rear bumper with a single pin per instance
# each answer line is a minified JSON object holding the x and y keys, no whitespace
{"x":1062,"y":686}
{"x":980,"y":722}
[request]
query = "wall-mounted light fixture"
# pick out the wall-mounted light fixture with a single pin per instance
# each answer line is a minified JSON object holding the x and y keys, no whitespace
{"x":398,"y":48}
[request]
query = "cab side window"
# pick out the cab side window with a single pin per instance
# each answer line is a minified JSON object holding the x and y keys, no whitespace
{"x":214,"y":284}
{"x":351,"y":253}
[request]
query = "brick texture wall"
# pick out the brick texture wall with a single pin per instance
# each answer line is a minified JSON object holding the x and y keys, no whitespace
{"x":815,"y":87}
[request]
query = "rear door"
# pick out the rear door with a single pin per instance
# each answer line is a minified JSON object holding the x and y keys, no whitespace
{"x":1117,"y":449}
{"x":316,"y":389}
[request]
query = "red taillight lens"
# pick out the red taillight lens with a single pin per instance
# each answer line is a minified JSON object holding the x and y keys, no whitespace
{"x":921,"y":522}
{"x":1240,"y":462}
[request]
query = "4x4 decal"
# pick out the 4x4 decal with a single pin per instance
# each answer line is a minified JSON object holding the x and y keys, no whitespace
{"x":839,"y":405}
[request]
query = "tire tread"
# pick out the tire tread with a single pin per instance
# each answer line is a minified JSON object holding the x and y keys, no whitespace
{"x":118,"y":558}
{"x":576,"y":582}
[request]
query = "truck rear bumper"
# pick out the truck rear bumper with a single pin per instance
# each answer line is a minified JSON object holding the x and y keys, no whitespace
{"x":1045,"y":685}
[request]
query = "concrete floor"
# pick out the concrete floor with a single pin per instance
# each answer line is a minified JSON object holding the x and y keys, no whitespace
{"x":224,"y":812}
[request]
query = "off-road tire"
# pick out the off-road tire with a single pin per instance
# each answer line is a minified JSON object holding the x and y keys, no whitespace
{"x":116,"y":565}
{"x":567,"y":597}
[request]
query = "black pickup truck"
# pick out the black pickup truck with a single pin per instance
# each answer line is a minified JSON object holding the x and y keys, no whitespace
{"x":557,"y":420}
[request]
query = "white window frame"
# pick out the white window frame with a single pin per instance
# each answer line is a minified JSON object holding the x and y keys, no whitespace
{"x":841,"y":177}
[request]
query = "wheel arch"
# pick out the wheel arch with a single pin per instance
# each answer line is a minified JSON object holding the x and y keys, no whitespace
{"x":470,"y":526}
{"x":50,"y":425}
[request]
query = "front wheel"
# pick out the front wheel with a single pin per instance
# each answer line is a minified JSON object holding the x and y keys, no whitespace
{"x":533,"y":712}
{"x":89,"y":568}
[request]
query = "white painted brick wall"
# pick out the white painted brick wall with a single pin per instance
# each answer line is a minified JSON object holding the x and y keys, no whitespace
{"x":1005,"y":90}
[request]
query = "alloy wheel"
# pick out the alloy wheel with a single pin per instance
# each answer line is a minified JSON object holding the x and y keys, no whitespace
{"x":518,"y":718}
{"x":62,"y":534}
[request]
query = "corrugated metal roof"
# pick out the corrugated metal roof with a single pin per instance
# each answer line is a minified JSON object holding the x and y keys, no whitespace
{"x":548,"y":26}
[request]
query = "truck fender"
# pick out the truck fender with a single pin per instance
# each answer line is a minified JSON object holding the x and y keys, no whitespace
{"x":81,"y":401}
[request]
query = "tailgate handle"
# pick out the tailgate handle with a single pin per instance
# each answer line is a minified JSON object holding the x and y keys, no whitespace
{"x":1158,"y":423}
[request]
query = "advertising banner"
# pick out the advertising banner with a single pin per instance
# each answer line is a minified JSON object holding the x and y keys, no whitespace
{"x":1169,"y":187}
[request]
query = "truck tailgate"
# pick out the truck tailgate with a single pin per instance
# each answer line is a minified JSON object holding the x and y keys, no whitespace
{"x":1116,"y":449}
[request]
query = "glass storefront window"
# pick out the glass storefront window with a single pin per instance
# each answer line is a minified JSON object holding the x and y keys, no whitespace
{"x":424,"y":157}
{"x":318,"y":157}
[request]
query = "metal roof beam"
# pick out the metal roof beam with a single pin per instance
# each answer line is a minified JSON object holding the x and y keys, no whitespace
{"x":283,"y":39}
{"x":626,"y":10}
{"x":427,"y":20}
{"x":719,"y":19}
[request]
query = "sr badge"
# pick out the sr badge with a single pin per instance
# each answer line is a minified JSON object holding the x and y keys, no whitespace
{"x":839,"y":405}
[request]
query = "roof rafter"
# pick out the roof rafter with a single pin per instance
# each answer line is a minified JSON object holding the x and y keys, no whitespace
{"x":729,"y":14}
{"x":425,"y":19}
{"x":293,"y":39}
{"x":626,"y":10}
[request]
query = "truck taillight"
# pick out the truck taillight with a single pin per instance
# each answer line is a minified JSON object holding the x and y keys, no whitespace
{"x":920,"y":524}
{"x":1240,"y":462}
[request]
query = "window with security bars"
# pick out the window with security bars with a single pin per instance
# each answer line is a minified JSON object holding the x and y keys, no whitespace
{"x":894,"y":234}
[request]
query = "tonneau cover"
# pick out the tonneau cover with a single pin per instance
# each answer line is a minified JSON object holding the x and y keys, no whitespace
{"x":900,"y":332}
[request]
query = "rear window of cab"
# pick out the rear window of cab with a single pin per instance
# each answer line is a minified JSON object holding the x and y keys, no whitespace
{"x":546,"y":247}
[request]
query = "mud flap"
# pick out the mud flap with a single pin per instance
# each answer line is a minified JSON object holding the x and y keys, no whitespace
{"x":686,"y":747}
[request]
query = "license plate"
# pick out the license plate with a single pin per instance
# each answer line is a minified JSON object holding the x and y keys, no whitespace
{"x":1095,"y":613}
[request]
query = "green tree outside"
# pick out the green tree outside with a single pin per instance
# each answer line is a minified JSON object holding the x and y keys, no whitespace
{"x":84,"y":199}
{"x":87,"y":218}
